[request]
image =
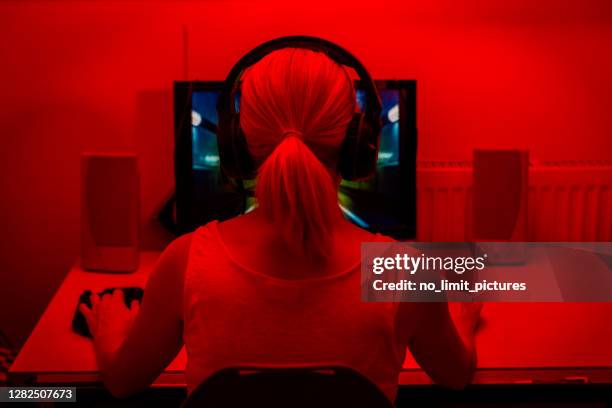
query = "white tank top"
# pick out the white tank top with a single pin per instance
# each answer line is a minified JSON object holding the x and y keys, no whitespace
{"x":236,"y":316}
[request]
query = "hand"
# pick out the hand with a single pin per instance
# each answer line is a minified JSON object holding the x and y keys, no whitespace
{"x":469,"y":314}
{"x":466,"y":316}
{"x":108,"y":316}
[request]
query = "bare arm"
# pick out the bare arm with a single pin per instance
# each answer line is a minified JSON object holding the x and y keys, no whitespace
{"x":443,"y":348}
{"x":131,"y":356}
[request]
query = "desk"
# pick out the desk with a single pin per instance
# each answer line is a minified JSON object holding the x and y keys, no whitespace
{"x":55,"y":354}
{"x":518,"y":343}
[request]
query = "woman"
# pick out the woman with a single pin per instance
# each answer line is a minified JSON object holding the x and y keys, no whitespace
{"x":281,"y":284}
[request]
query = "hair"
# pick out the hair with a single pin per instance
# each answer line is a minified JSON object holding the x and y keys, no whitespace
{"x":295,"y":107}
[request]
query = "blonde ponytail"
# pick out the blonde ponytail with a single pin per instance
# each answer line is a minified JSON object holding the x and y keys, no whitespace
{"x":297,"y":193}
{"x":295,"y":107}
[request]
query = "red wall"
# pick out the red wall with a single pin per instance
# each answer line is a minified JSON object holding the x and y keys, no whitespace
{"x":78,"y":76}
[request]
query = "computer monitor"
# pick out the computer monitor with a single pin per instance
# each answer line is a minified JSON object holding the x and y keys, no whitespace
{"x":386,"y":203}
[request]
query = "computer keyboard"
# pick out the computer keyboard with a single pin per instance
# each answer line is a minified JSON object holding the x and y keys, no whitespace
{"x":79,"y":324}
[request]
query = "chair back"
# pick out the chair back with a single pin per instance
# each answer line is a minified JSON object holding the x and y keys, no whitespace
{"x":297,"y":387}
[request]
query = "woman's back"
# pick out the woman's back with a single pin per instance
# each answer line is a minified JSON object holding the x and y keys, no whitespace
{"x":247,"y":304}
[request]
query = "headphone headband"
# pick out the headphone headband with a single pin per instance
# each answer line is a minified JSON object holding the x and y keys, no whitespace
{"x":225,"y":103}
{"x":360,"y":145}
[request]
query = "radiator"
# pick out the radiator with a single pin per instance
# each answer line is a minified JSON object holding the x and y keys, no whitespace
{"x":566,"y":202}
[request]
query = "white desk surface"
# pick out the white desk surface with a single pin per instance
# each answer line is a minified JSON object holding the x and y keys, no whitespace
{"x":518,"y":341}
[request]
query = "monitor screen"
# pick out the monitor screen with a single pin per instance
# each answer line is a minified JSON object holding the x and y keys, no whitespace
{"x":385,"y":203}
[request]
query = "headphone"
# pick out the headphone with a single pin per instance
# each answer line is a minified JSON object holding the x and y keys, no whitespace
{"x":359,"y":151}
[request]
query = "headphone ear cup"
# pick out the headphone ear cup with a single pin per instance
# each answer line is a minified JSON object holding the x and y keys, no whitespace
{"x":359,"y":152}
{"x":234,"y":156}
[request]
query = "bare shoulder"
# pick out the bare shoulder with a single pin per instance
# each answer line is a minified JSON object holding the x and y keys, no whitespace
{"x":167,"y":278}
{"x":179,"y":247}
{"x":174,"y":258}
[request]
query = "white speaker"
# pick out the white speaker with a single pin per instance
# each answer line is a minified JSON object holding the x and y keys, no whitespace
{"x":499,"y":202}
{"x":110,"y":206}
{"x":500,"y":191}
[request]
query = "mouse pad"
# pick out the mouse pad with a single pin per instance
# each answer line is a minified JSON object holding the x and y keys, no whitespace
{"x":79,"y":324}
